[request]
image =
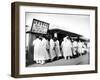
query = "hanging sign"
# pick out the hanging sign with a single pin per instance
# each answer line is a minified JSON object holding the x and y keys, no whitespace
{"x":39,"y":26}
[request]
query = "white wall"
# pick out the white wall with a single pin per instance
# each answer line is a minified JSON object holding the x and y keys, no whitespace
{"x":5,"y":40}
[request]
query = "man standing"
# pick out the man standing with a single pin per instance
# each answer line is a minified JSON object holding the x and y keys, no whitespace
{"x":57,"y":49}
{"x":80,"y":45}
{"x":37,"y":50}
{"x":75,"y":48}
{"x":44,"y":51}
{"x":66,"y":48}
{"x":52,"y":49}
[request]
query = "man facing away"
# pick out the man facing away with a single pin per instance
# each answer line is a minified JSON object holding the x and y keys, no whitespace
{"x":66,"y":47}
{"x":37,"y":50}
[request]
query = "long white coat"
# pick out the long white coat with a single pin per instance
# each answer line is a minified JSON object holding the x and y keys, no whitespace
{"x":66,"y":48}
{"x":57,"y":49}
{"x":52,"y":50}
{"x":44,"y":49}
{"x":75,"y":46}
{"x":37,"y":49}
{"x":84,"y":48}
{"x":80,"y":47}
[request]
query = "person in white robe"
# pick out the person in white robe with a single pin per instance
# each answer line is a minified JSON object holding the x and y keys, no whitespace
{"x":88,"y":47}
{"x":57,"y":49}
{"x":84,"y":48}
{"x":80,"y":45}
{"x":66,"y":48}
{"x":52,"y":49}
{"x":37,"y":50}
{"x":75,"y":47}
{"x":63,"y":44}
{"x":44,"y":50}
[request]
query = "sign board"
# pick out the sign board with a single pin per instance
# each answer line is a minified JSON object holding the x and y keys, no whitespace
{"x":39,"y":26}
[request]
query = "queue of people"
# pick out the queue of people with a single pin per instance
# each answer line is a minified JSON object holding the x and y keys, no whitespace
{"x":45,"y":49}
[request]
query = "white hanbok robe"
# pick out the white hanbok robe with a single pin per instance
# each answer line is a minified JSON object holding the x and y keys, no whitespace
{"x":83,"y":47}
{"x":52,"y":51}
{"x":57,"y":48}
{"x":75,"y":46}
{"x":80,"y":47}
{"x":44,"y":49}
{"x":66,"y":48}
{"x":37,"y":49}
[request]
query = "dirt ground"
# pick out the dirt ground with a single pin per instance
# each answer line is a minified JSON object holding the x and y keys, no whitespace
{"x":81,"y":60}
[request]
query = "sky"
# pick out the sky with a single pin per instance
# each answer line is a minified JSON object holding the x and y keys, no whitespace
{"x":79,"y":24}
